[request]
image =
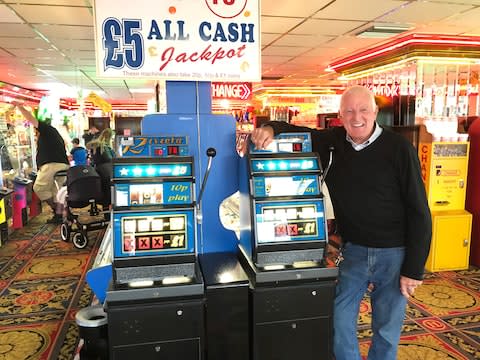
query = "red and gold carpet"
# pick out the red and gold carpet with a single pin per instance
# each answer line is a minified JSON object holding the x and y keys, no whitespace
{"x":442,"y":321}
{"x":42,"y":286}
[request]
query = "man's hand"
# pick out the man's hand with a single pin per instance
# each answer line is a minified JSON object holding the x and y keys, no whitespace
{"x":408,"y":285}
{"x":262,"y":137}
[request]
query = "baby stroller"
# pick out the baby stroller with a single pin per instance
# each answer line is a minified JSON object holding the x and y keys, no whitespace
{"x":83,"y":188}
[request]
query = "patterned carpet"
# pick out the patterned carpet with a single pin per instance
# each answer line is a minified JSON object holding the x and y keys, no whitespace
{"x":442,"y":322}
{"x":41,"y":288}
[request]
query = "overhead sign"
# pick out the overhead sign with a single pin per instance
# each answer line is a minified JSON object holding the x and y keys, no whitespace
{"x":388,"y":90}
{"x":234,"y":91}
{"x":205,"y":40}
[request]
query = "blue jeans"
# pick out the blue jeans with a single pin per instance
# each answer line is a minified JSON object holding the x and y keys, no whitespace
{"x":360,"y":267}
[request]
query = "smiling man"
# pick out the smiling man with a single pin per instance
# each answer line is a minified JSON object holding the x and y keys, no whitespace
{"x":382,"y":216}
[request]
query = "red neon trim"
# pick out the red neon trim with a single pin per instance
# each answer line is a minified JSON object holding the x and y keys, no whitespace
{"x":400,"y":42}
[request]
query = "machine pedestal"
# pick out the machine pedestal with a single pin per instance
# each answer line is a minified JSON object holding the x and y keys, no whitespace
{"x":157,"y":329}
{"x":227,"y":309}
{"x":292,"y":312}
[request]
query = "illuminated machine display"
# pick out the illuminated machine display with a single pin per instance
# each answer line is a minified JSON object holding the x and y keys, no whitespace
{"x":171,"y":254}
{"x":153,"y":221}
{"x":283,"y":236}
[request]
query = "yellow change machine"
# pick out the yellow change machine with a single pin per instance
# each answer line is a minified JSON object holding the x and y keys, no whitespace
{"x":444,"y":171}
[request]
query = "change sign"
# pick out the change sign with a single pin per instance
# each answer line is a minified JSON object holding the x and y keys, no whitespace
{"x":232,"y":91}
{"x":205,"y":40}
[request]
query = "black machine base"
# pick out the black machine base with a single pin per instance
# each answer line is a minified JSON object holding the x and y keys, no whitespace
{"x":292,"y":311}
{"x":167,"y":330}
{"x":227,"y":307}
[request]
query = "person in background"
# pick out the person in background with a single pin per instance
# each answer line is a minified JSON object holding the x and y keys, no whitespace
{"x":101,"y":158}
{"x":382,"y":216}
{"x":51,"y":157}
{"x":79,"y":153}
{"x":91,"y":134}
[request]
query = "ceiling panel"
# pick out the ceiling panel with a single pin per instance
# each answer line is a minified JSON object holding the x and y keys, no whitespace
{"x":304,"y":40}
{"x":275,"y":24}
{"x":327,"y":52}
{"x":79,"y":54}
{"x":8,"y":16}
{"x":60,"y":60}
{"x":466,"y":19}
{"x":327,"y":27}
{"x":267,"y":38}
{"x":35,"y":53}
{"x":65,"y":44}
{"x":365,"y":10}
{"x":285,"y":50}
{"x":16,"y":30}
{"x":424,"y":12}
{"x":270,"y":59}
{"x":23,"y":43}
{"x":65,"y":15}
{"x":66,"y":31}
{"x":292,"y":8}
{"x":50,"y":2}
{"x":473,"y":2}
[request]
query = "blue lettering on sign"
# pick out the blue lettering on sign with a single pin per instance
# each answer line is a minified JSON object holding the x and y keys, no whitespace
{"x":156,"y":34}
{"x":235,"y":32}
{"x":123,"y":43}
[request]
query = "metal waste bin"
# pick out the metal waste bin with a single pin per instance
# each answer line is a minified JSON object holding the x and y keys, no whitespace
{"x":92,"y":324}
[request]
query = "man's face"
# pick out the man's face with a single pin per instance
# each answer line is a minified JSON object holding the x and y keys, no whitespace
{"x":358,"y":113}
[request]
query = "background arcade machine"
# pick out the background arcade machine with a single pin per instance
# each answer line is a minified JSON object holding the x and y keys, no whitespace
{"x":282,"y":242}
{"x":160,"y":226}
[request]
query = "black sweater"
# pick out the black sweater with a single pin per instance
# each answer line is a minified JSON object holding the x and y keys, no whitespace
{"x":377,"y":193}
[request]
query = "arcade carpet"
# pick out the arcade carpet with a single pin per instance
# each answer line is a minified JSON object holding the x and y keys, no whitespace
{"x":42,"y":286}
{"x":442,"y":321}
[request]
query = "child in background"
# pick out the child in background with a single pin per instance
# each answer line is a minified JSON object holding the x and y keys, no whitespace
{"x":79,"y":153}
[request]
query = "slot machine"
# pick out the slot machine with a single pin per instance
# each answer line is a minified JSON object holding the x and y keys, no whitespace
{"x":158,"y":289}
{"x":283,"y":235}
{"x":168,"y":296}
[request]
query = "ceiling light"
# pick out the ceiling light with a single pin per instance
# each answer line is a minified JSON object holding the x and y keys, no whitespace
{"x":382,"y":31}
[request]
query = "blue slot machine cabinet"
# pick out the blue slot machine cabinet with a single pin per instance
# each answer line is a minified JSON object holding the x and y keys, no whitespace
{"x":156,"y":302}
{"x":283,"y":235}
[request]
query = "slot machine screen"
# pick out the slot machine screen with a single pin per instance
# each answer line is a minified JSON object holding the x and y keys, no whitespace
{"x":296,"y":185}
{"x":166,"y":193}
{"x":153,"y":233}
{"x":289,"y":221}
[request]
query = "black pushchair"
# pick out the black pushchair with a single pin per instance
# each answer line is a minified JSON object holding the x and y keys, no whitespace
{"x":83,"y":188}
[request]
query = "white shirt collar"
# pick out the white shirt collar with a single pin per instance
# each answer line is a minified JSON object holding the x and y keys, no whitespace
{"x":376,"y":133}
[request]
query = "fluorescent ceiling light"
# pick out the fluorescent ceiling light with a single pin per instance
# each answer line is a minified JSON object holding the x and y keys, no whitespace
{"x":382,"y":31}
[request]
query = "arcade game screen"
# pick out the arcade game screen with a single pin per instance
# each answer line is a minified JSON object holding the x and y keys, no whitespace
{"x":285,"y":222}
{"x":154,"y":233}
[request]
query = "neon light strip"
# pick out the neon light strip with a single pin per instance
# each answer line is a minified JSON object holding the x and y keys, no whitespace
{"x":402,"y":42}
{"x":404,"y":62}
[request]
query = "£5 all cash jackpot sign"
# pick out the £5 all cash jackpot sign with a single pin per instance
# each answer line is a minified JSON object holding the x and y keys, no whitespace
{"x":202,"y":40}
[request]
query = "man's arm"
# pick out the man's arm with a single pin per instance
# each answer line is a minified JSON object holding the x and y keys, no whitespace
{"x":26,"y":114}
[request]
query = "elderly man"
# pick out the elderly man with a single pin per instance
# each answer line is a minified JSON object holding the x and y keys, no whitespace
{"x":51,"y":157}
{"x":383,"y":217}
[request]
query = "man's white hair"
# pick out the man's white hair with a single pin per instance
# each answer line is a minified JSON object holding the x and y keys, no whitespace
{"x":358,"y":89}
